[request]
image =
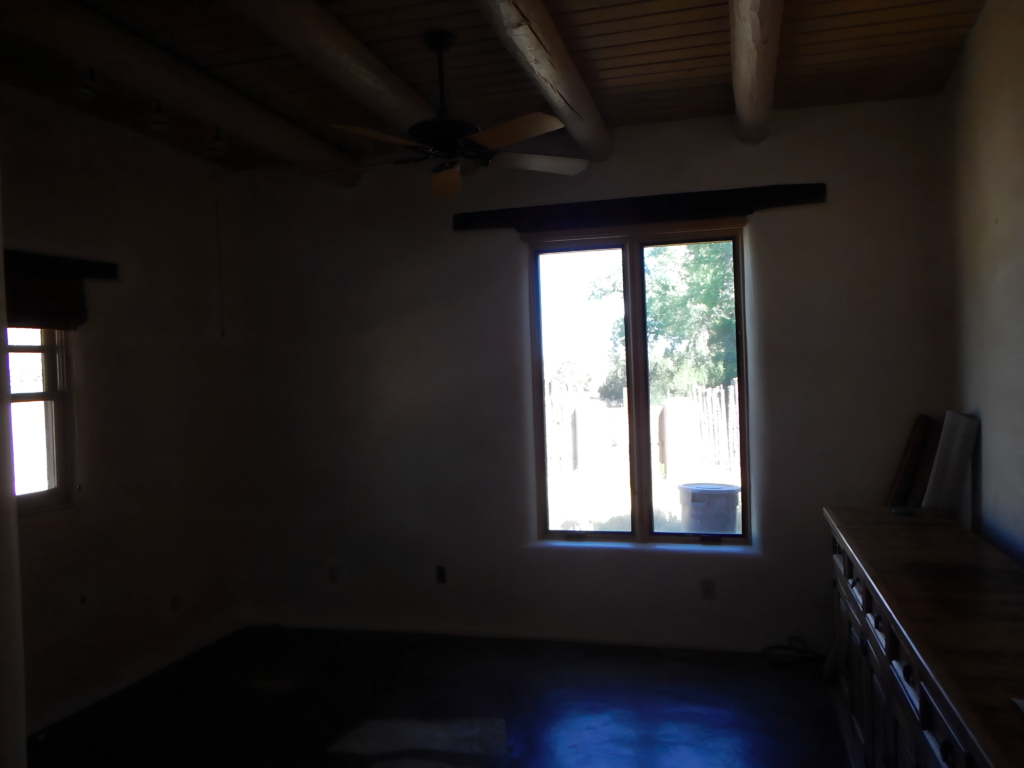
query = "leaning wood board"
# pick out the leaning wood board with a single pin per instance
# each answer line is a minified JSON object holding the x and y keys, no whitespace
{"x":959,"y":604}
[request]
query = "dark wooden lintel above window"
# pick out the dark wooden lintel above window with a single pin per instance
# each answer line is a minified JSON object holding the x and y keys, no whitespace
{"x":682,"y":206}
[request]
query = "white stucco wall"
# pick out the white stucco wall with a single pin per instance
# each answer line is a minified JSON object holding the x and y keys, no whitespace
{"x":406,"y":440}
{"x":988,"y":98}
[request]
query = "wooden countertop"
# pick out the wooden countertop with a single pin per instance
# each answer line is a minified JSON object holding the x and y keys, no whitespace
{"x":960,"y":604}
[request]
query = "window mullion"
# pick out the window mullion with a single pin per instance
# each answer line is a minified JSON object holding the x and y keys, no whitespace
{"x":638,"y":395}
{"x":31,"y":397}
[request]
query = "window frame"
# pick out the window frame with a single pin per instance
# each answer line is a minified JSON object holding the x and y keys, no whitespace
{"x":632,"y":240}
{"x":56,"y":391}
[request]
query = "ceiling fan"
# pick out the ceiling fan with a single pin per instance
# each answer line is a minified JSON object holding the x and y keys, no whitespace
{"x":448,"y":139}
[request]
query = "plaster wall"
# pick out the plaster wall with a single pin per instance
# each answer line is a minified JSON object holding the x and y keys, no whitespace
{"x":367,"y":415}
{"x":989,"y":160}
{"x":392,"y":357}
{"x":146,"y":564}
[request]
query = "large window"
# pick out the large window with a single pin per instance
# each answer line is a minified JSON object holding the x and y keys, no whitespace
{"x":37,"y":392}
{"x":640,"y":385}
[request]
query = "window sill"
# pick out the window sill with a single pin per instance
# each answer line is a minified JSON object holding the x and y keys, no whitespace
{"x":44,"y":501}
{"x":654,"y":546}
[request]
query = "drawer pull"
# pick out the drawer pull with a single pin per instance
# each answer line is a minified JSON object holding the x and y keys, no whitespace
{"x":904,"y":675}
{"x":875,"y":621}
{"x":853,"y":582}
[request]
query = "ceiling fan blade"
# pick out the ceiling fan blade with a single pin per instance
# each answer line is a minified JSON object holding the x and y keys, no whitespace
{"x":520,"y":161}
{"x":445,"y":183}
{"x":372,"y":134}
{"x":514,"y":131}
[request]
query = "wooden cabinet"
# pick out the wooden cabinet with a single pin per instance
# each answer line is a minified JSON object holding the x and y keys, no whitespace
{"x":929,"y":643}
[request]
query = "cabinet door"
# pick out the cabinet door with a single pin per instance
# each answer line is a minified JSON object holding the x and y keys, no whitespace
{"x":904,"y":733}
{"x":881,"y":755}
{"x":903,"y":746}
{"x":843,"y":651}
{"x":859,"y":670}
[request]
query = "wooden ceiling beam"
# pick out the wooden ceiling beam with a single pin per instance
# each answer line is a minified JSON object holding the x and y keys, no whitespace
{"x":86,"y":37}
{"x":315,"y":35}
{"x":527,"y":30}
{"x":756,"y":28}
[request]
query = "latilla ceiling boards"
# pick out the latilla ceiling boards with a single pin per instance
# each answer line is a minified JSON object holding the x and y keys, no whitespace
{"x":644,"y":61}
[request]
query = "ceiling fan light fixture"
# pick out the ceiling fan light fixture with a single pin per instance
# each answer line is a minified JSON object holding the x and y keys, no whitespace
{"x":446,"y":182}
{"x":442,"y":134}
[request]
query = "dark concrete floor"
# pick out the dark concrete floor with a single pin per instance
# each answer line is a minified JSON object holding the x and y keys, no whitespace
{"x":281,"y":697}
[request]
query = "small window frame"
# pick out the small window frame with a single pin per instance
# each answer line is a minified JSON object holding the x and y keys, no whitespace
{"x":56,"y":391}
{"x":632,"y":240}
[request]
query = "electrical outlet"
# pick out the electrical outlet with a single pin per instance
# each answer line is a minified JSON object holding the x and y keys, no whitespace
{"x":442,"y":578}
{"x":708,"y":589}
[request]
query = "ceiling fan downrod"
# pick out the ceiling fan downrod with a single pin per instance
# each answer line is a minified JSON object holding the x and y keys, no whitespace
{"x":444,"y":137}
{"x":439,"y":41}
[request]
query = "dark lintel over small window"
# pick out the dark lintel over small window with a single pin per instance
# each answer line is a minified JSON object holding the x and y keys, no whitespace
{"x":47,"y":291}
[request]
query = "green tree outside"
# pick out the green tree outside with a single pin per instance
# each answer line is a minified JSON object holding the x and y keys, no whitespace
{"x":691,"y":321}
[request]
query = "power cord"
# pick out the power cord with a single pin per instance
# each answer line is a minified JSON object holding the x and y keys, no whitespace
{"x":793,"y":652}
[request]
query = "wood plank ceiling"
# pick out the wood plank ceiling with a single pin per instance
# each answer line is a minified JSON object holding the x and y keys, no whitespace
{"x":643,"y":60}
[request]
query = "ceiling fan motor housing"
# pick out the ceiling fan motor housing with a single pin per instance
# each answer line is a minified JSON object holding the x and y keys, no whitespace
{"x":439,"y":40}
{"x":446,"y":138}
{"x":444,"y":135}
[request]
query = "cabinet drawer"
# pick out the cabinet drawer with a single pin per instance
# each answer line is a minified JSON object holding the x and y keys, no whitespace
{"x":904,"y":736}
{"x":841,"y":560}
{"x":878,"y":629}
{"x":860,"y":593}
{"x":906,"y":671}
{"x":942,"y":748}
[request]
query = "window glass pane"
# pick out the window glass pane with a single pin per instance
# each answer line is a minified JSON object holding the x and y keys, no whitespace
{"x":24,"y":337}
{"x":26,"y":371}
{"x":585,"y":421}
{"x":33,"y":447}
{"x":691,"y":351}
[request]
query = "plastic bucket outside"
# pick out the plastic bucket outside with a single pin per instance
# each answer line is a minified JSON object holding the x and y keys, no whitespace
{"x":710,"y":508}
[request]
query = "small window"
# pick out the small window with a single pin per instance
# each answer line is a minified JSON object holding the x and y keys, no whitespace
{"x":37,"y":404}
{"x":641,"y":388}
